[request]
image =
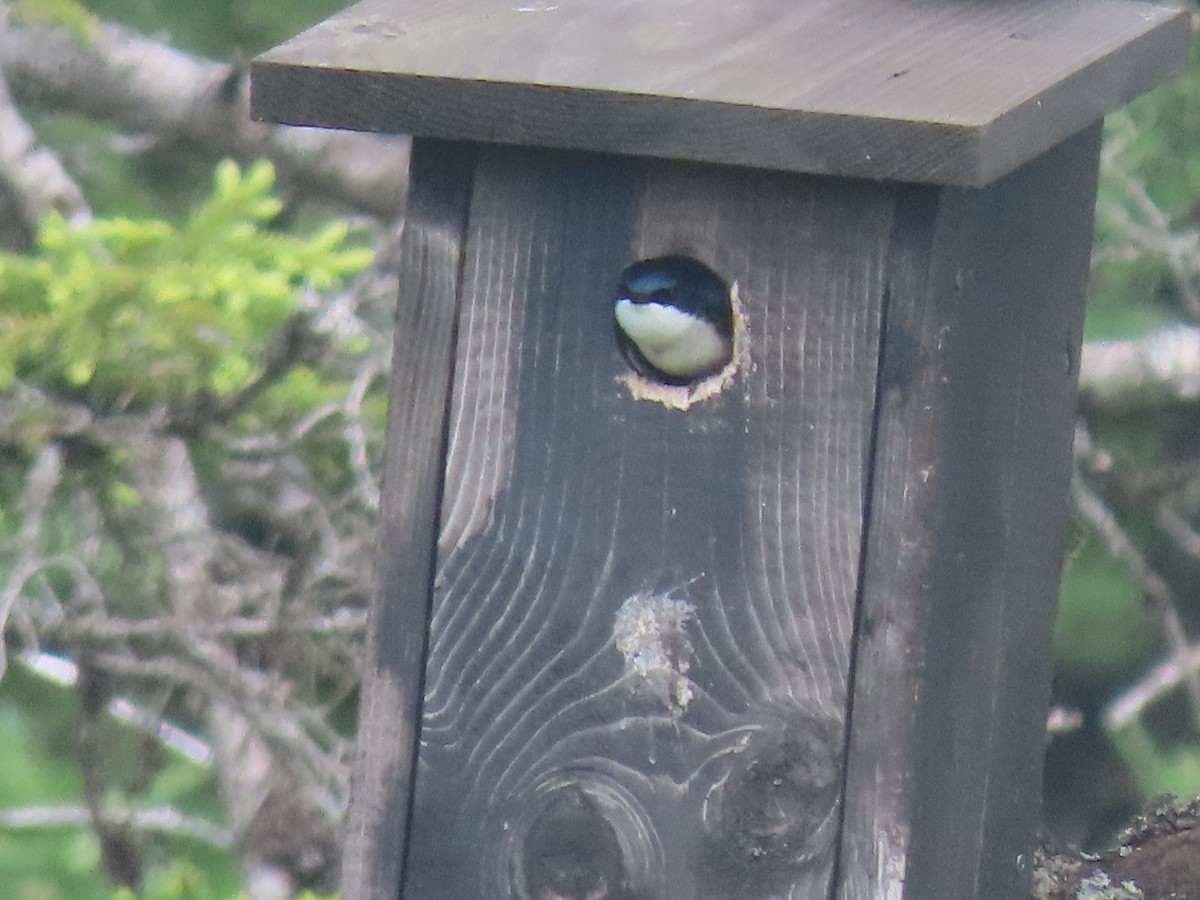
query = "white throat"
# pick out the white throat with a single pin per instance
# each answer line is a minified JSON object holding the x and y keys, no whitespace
{"x":674,"y":342}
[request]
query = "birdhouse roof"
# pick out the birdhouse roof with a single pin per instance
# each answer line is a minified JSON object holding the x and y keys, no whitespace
{"x":942,"y":91}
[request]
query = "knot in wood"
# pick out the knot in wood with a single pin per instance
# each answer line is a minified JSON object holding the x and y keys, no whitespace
{"x":775,"y":812}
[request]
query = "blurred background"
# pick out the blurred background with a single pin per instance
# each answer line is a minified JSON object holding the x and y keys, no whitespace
{"x":195,"y":316}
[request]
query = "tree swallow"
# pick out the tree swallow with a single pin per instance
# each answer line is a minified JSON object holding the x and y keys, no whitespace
{"x":674,"y":319}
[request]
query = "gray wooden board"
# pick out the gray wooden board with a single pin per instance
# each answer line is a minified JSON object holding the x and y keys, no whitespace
{"x":967,"y":513}
{"x":417,"y":425}
{"x":946,"y":91}
{"x":580,"y":525}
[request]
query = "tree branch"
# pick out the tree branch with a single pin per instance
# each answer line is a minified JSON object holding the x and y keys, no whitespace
{"x":34,"y":179}
{"x":1151,"y":231}
{"x":103,"y":629}
{"x":41,"y":482}
{"x":161,"y":819}
{"x":1120,"y":547}
{"x":140,"y":84}
{"x":1158,"y":368}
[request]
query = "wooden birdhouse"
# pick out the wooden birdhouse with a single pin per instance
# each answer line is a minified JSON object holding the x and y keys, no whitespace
{"x":778,"y":626}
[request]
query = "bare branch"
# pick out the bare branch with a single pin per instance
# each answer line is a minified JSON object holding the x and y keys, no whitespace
{"x":1120,"y":547}
{"x":41,"y":482}
{"x":1179,"y":530}
{"x":97,"y":629}
{"x":367,"y":480}
{"x":293,"y":343}
{"x":259,"y":631}
{"x":1156,"y":683}
{"x":33,"y":175}
{"x":261,"y":705}
{"x":162,"y":819}
{"x":1152,"y":233}
{"x":1160,"y":367}
{"x":141,"y":84}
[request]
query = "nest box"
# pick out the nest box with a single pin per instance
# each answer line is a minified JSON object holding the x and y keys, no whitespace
{"x":781,"y":629}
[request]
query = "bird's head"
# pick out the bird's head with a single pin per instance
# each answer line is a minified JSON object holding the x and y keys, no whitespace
{"x":674,"y":319}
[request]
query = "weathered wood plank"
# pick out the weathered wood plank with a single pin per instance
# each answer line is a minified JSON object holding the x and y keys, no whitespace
{"x":432,"y":246}
{"x":640,"y":643}
{"x":933,"y":91}
{"x":967,"y":514}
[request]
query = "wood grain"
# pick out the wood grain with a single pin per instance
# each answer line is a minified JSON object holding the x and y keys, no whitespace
{"x":643,"y":636}
{"x":940,"y":91}
{"x":640,"y":643}
{"x":967,"y":515}
{"x":427,"y":314}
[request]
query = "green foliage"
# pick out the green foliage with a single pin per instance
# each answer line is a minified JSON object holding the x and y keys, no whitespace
{"x":38,"y":770}
{"x":161,"y":179}
{"x":174,"y":294}
{"x":184,"y":880}
{"x":1150,"y":184}
{"x":215,"y":27}
{"x":128,"y":313}
{"x":1156,"y":767}
{"x":69,"y":13}
{"x":1145,"y":252}
{"x":1103,"y":629}
{"x":37,"y":744}
{"x":1157,"y":139}
{"x":181,"y":880}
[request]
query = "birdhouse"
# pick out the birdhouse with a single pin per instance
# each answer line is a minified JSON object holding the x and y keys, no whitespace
{"x":730,"y":434}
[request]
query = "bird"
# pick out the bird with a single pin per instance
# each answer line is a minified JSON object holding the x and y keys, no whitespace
{"x":674,"y":319}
